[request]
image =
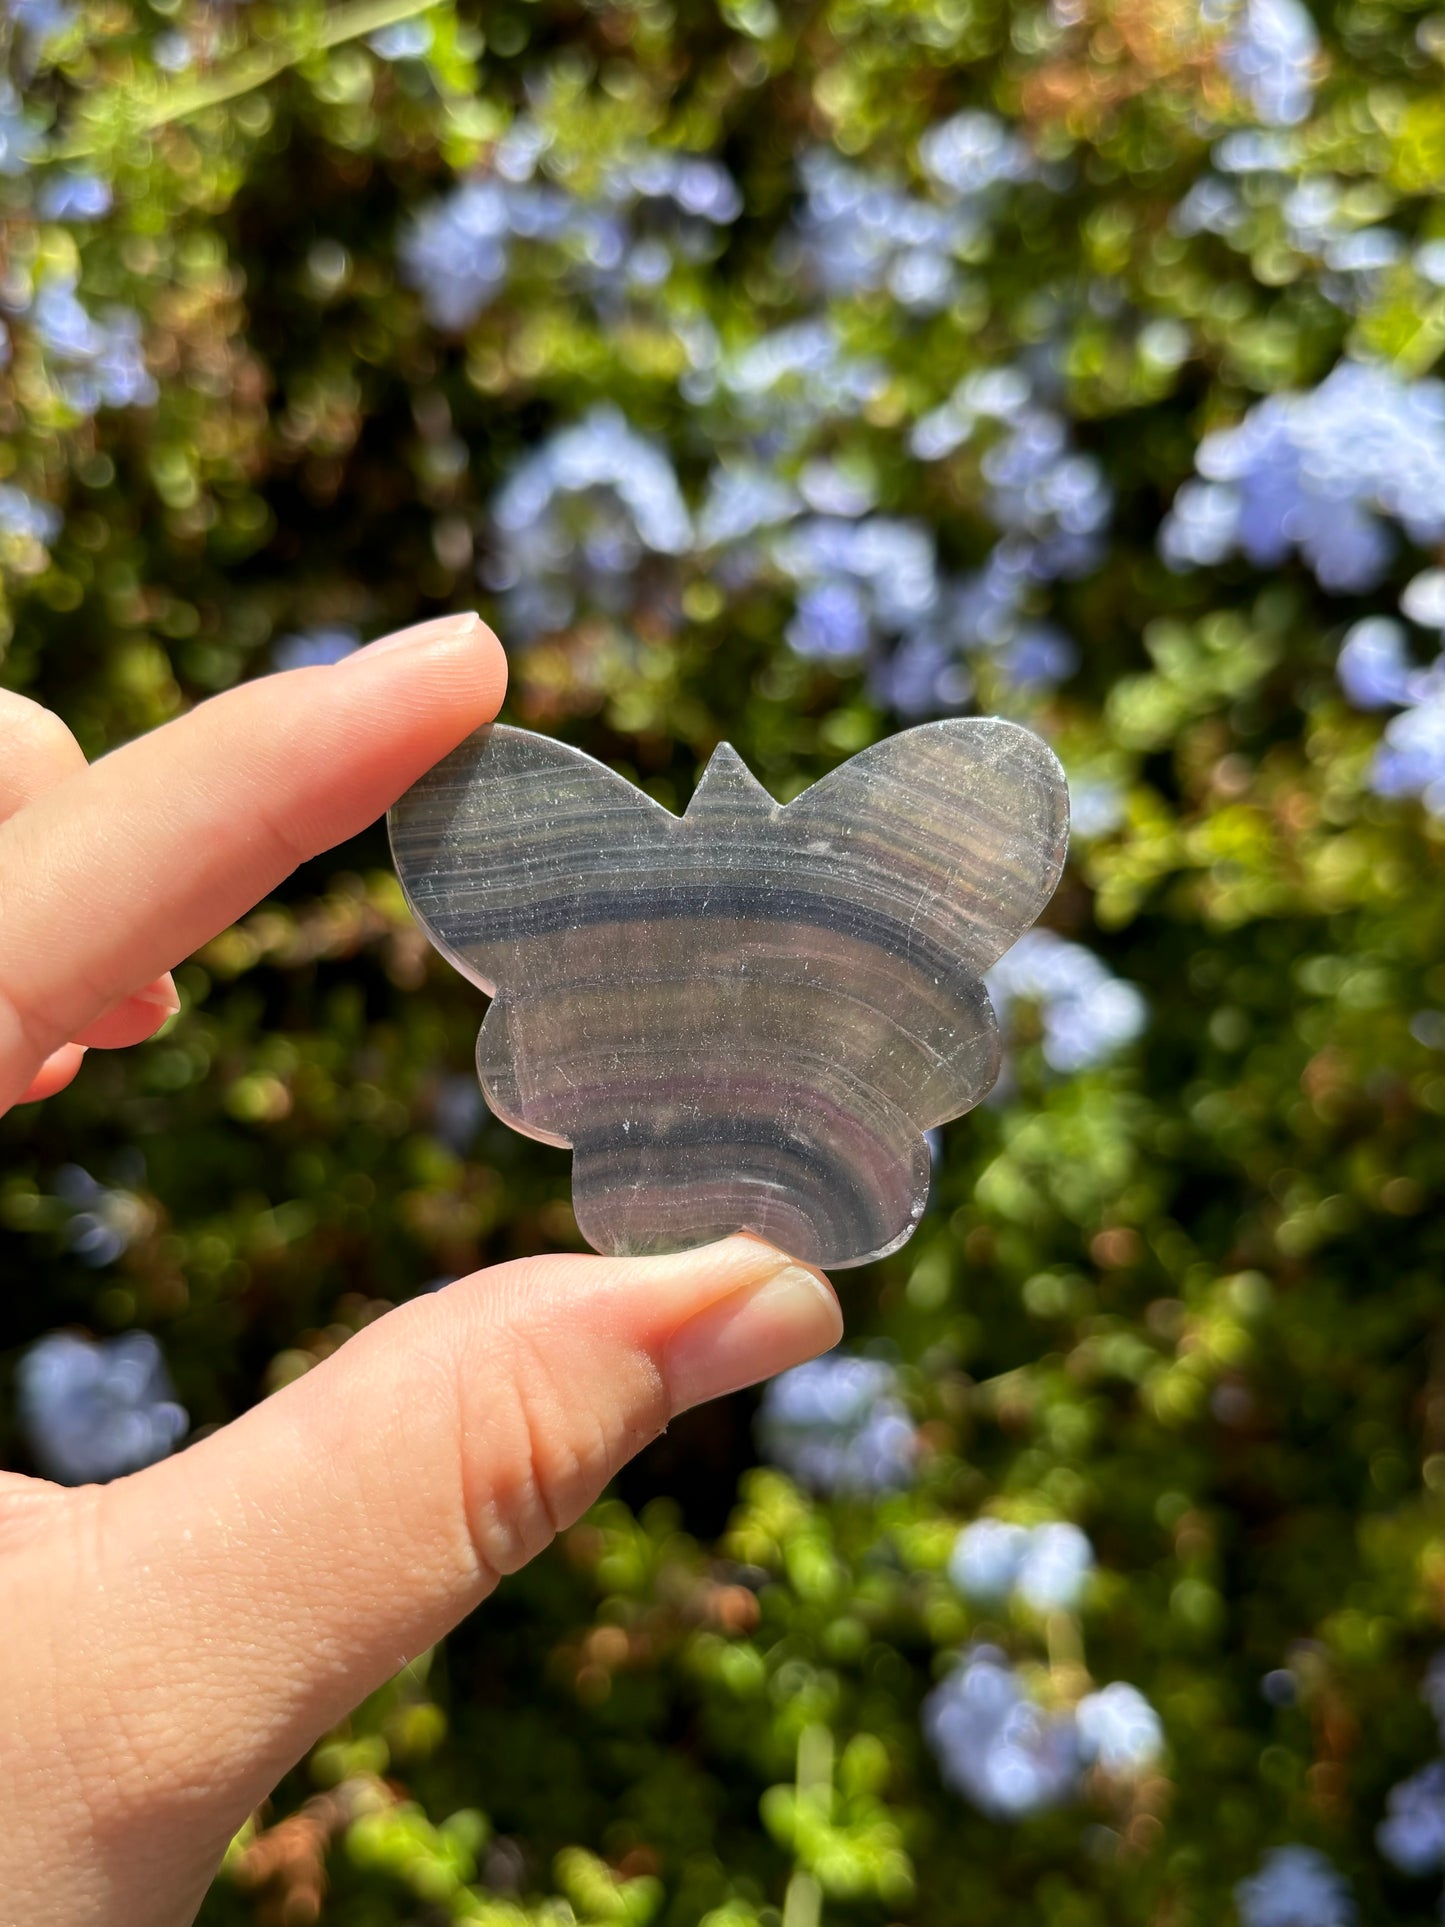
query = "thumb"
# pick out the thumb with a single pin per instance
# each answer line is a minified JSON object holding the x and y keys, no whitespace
{"x":235,"y":1602}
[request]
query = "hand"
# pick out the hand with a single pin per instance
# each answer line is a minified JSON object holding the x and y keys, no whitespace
{"x":175,"y":1641}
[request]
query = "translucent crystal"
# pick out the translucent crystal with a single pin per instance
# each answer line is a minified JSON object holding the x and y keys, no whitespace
{"x":746,"y":1017}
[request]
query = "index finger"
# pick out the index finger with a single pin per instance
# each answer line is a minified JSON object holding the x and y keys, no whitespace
{"x":127,"y":867}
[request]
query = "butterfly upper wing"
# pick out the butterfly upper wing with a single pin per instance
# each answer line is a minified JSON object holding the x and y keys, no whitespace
{"x":938,"y":847}
{"x":955,"y":831}
{"x":515,"y":842}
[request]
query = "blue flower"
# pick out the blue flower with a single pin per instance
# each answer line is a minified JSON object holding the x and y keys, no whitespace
{"x":1005,"y":1754}
{"x":838,"y":1424}
{"x":1211,"y":206}
{"x":804,"y":371}
{"x":861,"y":232}
{"x":459,"y":252}
{"x":974,"y":152}
{"x":1046,"y":1565}
{"x":1411,"y":759}
{"x":1037,"y":657}
{"x":20,"y":138}
{"x":403,"y":40}
{"x":104,"y":1221}
{"x":1423,"y":599}
{"x":1053,"y":501}
{"x":1096,"y":806}
{"x":986,"y":1558}
{"x":1373,"y":666}
{"x":742,"y":498}
{"x":1119,"y":1729}
{"x":94,"y":1411}
{"x":577,"y":519}
{"x":73,"y":197}
{"x":310,"y":648}
{"x":1271,"y":53}
{"x":831,"y":620}
{"x":40,"y":20}
{"x":1295,"y":1887}
{"x":172,"y":52}
{"x":1055,"y":1566}
{"x":922,"y":676}
{"x":24,"y":516}
{"x":1316,"y":471}
{"x":861,"y":581}
{"x":1088,"y":1014}
{"x":95,"y":363}
{"x":1051,"y":505}
{"x":1375,"y":672}
{"x":1251,"y":150}
{"x":1412,"y":1835}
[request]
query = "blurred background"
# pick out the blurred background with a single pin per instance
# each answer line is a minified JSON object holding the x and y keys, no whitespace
{"x":789,"y":371}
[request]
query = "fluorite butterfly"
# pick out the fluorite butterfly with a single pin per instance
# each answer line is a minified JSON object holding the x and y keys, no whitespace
{"x":745,"y":1017}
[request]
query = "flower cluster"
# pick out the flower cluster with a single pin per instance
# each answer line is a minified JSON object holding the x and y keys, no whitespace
{"x":1376,"y":671}
{"x":403,"y":40}
{"x":1051,"y":506}
{"x":862,"y":233}
{"x":623,"y":232}
{"x":577,"y":519}
{"x":995,"y":1745}
{"x":1087,"y":1014}
{"x":581,"y":516}
{"x":92,"y":1411}
{"x":1010,"y":1756}
{"x":27,"y":526}
{"x":1412,"y":1834}
{"x":1295,"y":1887}
{"x":310,"y":648}
{"x":1316,"y":471}
{"x":1271,"y":52}
{"x":1046,"y":1566}
{"x":39,"y":21}
{"x":838,"y":1425}
{"x":793,"y":380}
{"x":90,"y":362}
{"x":1119,"y":1730}
{"x":857,"y":581}
{"x":1051,"y":503}
{"x":20,"y":138}
{"x":1285,"y":204}
{"x":104,"y":1220}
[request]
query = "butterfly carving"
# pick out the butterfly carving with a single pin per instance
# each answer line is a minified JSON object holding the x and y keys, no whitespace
{"x":745,"y":1017}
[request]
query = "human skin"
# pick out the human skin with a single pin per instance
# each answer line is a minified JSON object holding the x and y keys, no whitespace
{"x":176,"y":1640}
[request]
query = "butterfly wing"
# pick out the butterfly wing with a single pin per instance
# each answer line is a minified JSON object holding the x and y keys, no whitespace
{"x":522,"y":859}
{"x":513,"y":843}
{"x":937,"y":848}
{"x":960,"y":827}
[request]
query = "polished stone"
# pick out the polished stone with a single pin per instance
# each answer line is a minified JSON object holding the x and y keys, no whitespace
{"x":746,"y":1017}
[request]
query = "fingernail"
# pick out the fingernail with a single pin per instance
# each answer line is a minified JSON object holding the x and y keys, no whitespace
{"x":161,"y":995}
{"x":751,"y":1334}
{"x":438,"y":629}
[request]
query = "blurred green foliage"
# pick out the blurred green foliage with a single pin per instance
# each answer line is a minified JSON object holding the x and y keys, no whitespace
{"x":1190,"y":1297}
